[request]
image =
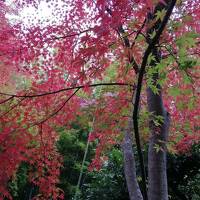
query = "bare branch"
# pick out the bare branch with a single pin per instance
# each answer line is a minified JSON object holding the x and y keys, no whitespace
{"x":8,"y":99}
{"x":13,"y":107}
{"x":67,"y":89}
{"x":124,"y":36}
{"x":139,"y":32}
{"x":58,"y":110}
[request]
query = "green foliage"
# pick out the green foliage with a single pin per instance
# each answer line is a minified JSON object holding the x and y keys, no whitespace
{"x":158,"y":120}
{"x":71,"y":145}
{"x":159,"y":71}
{"x":19,"y":186}
{"x":192,"y":188}
{"x":151,"y":58}
{"x":187,"y":64}
{"x":151,"y":73}
{"x":188,"y":39}
{"x":109,"y":182}
{"x":160,"y":14}
{"x":184,"y":175}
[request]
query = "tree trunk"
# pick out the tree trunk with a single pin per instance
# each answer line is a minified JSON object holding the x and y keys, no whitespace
{"x":157,"y":167}
{"x":157,"y":172}
{"x":157,"y":177}
{"x":129,"y":164}
{"x":157,"y":164}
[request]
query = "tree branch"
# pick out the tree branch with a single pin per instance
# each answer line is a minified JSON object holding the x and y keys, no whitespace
{"x":127,"y":45}
{"x":8,"y":99}
{"x":139,"y":32}
{"x":66,"y":89}
{"x":13,"y":107}
{"x":125,"y":39}
{"x":58,"y":110}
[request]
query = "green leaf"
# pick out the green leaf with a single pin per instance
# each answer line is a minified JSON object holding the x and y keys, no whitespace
{"x":152,"y":35}
{"x":151,"y":58}
{"x":160,"y":14}
{"x":187,"y":40}
{"x":158,"y":120}
{"x":158,"y":148}
{"x":189,"y":63}
{"x":140,"y":38}
{"x":186,"y":78}
{"x":154,"y":89}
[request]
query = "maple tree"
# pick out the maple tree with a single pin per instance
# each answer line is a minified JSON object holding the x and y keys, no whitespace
{"x":100,"y":44}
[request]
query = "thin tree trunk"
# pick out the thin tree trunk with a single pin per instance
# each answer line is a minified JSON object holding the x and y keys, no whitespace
{"x":157,"y":169}
{"x":157,"y":172}
{"x":157,"y":163}
{"x":129,"y":164}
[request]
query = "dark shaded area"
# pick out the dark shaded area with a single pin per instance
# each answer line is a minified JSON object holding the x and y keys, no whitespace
{"x":109,"y":183}
{"x":184,"y":175}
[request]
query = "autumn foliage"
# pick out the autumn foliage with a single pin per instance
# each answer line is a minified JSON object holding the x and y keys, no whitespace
{"x":51,"y":73}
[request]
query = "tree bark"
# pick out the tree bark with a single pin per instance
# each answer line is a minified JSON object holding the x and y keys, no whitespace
{"x":157,"y":164}
{"x":129,"y":164}
{"x":157,"y":169}
{"x":157,"y":172}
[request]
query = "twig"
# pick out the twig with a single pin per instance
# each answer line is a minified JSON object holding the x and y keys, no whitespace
{"x":8,"y":99}
{"x":58,"y":110}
